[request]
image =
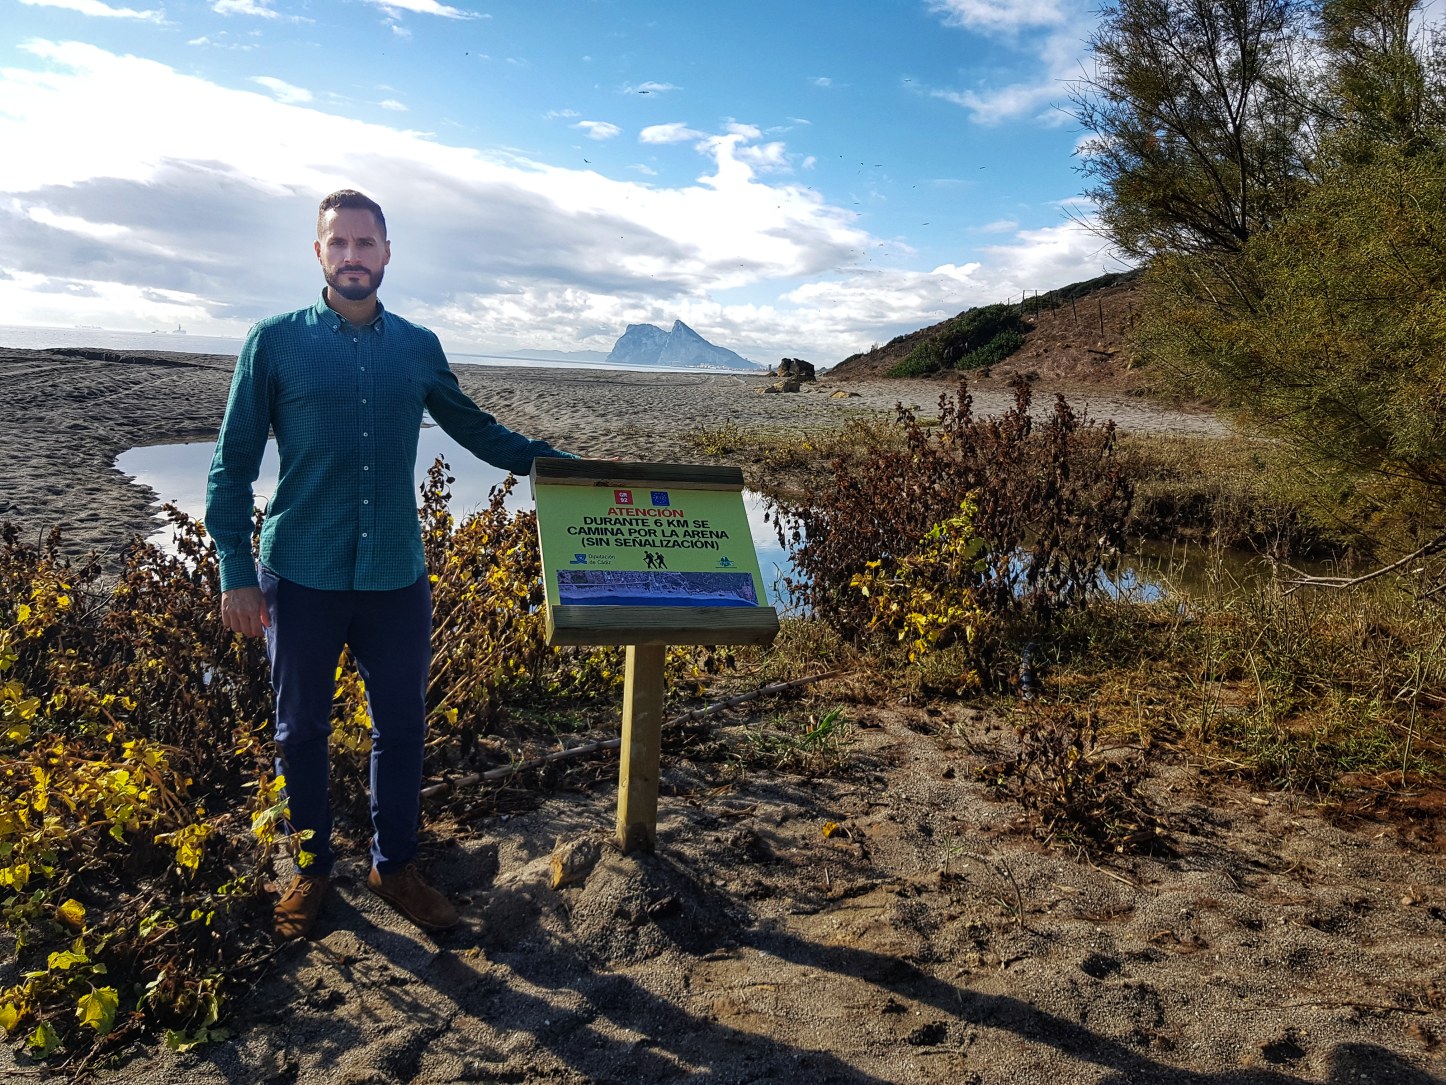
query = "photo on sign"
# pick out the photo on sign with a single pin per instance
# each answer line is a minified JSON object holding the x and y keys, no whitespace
{"x":620,"y":587}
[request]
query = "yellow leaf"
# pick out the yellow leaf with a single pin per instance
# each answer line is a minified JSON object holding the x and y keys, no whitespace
{"x":43,"y":1040}
{"x":63,"y":959}
{"x":9,"y":1016}
{"x":72,"y":914}
{"x":829,"y":828}
{"x":97,"y":1009}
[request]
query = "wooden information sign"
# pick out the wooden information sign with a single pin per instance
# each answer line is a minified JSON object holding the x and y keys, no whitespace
{"x":646,"y":555}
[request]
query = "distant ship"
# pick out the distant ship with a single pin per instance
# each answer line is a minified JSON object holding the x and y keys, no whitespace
{"x":178,"y":331}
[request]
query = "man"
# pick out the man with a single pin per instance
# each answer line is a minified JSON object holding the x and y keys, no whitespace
{"x":343,"y":384}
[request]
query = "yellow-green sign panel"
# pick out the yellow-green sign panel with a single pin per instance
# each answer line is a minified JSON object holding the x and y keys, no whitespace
{"x":645,"y":545}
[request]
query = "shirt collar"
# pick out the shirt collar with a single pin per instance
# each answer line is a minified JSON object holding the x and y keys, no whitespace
{"x":334,"y":320}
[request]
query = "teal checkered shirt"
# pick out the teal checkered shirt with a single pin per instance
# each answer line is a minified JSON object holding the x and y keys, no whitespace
{"x":346,"y":405}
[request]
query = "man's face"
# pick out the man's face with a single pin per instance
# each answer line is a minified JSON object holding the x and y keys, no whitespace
{"x":352,"y":252}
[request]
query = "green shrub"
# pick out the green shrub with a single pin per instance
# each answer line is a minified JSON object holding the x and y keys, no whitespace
{"x":973,"y":339}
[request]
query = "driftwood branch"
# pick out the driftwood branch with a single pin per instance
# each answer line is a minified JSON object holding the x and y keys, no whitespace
{"x":1305,"y":580}
{"x":613,"y":743}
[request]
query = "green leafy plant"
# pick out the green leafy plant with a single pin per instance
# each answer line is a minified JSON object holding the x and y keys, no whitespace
{"x":975,"y":338}
{"x":138,"y":809}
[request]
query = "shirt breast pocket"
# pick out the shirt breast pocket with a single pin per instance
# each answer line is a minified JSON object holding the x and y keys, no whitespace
{"x":402,"y":392}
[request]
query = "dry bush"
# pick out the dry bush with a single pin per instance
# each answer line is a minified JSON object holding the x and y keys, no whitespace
{"x":938,"y":532}
{"x":1311,"y":690}
{"x":1078,"y":789}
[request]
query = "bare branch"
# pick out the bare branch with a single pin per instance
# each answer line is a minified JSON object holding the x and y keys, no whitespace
{"x":1305,"y":580}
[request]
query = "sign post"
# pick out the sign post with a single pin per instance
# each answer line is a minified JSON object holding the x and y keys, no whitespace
{"x":647,"y":555}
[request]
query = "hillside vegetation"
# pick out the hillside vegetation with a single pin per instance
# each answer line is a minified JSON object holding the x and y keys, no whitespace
{"x":1077,"y":334}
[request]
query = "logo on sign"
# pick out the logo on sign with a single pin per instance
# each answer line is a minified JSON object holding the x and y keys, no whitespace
{"x":578,"y":559}
{"x":723,"y":563}
{"x":623,"y":497}
{"x":660,"y":497}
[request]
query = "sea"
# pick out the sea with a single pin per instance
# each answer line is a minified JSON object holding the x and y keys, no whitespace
{"x":182,"y":342}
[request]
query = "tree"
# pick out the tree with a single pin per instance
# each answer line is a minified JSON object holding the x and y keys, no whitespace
{"x":1281,"y":171}
{"x":1197,"y":120}
{"x":1378,"y":90}
{"x":1345,"y":357}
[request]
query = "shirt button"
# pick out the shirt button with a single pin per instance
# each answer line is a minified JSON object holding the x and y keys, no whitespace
{"x":365,"y":434}
{"x":364,"y":534}
{"x":363,"y":401}
{"x":366,"y":467}
{"x":366,"y":501}
{"x":354,"y":339}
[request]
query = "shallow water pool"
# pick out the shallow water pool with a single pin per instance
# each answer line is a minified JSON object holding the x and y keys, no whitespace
{"x":177,"y":474}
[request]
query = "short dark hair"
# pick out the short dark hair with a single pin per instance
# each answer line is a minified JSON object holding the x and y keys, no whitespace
{"x":350,"y":198}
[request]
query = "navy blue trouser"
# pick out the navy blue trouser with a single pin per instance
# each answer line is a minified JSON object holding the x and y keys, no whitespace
{"x":390,"y":636}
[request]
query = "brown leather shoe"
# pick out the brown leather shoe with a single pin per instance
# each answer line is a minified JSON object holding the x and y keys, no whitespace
{"x":295,"y":913}
{"x":409,"y":894}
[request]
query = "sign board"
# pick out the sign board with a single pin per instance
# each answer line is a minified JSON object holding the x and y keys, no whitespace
{"x":646,"y":555}
{"x":643,"y":553}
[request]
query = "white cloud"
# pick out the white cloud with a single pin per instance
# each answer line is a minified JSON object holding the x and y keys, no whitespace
{"x":599,"y":130}
{"x":137,"y":218}
{"x":1008,"y":103}
{"x":766,"y":158}
{"x":649,"y":88}
{"x":995,"y":16}
{"x":164,"y":177}
{"x":259,"y":8}
{"x":999,"y":226}
{"x":425,"y":7}
{"x":677,"y":132}
{"x":821,"y":81}
{"x":1045,"y":258}
{"x":96,"y":9}
{"x":283,"y":90}
{"x":1047,"y":37}
{"x":222,"y":41}
{"x":393,"y":105}
{"x":553,"y":114}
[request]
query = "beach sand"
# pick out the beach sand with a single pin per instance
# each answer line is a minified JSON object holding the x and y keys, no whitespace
{"x":69,"y":413}
{"x":926,"y":940}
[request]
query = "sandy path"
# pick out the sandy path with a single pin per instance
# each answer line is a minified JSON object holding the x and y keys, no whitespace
{"x":924,"y":943}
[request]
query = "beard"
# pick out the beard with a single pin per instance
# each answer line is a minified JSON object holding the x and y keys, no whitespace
{"x":355,"y":291}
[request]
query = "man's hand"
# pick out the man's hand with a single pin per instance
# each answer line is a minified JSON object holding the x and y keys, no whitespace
{"x":243,"y":610}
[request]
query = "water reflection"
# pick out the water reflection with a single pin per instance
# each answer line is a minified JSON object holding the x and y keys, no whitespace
{"x":1197,"y":570}
{"x":177,"y":474}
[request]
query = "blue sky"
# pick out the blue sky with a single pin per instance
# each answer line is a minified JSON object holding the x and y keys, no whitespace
{"x":790,"y":178}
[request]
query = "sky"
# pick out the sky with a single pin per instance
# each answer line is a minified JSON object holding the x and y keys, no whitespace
{"x":790,"y":178}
